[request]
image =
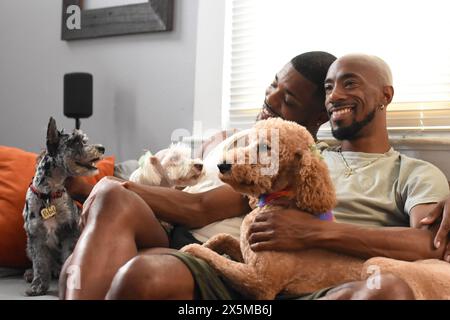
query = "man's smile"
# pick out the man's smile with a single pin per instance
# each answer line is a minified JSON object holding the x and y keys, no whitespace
{"x":341,"y":112}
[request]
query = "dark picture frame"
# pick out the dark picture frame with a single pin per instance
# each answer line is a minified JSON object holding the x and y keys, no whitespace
{"x":153,"y":16}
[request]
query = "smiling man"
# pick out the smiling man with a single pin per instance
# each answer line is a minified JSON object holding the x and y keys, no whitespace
{"x":116,"y":252}
{"x":295,"y":94}
{"x":378,"y":185}
{"x":382,"y":195}
{"x":353,"y":115}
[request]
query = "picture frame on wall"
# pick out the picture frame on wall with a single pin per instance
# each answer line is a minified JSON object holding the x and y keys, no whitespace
{"x":80,"y":22}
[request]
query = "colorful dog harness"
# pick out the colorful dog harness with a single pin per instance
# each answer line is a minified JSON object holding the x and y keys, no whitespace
{"x":266,"y":198}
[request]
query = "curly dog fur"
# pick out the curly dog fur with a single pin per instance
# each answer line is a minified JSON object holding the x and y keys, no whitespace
{"x":263,"y":275}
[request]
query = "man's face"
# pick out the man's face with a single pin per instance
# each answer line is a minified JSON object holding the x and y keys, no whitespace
{"x":352,"y":98}
{"x":291,"y":97}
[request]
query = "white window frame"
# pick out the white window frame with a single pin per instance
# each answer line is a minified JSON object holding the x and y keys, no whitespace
{"x":210,"y":78}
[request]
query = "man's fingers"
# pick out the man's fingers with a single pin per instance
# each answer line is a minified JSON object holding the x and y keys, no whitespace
{"x":261,"y":246}
{"x":444,"y":228}
{"x":447,"y":253}
{"x":260,"y":237}
{"x":441,"y":235}
{"x":113,"y":178}
{"x":264,"y":216}
{"x":85,"y":211}
{"x":82,"y":222}
{"x":434,"y":214}
{"x":258,"y":227}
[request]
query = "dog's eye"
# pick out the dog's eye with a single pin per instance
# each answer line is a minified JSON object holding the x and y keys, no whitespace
{"x":76,"y":141}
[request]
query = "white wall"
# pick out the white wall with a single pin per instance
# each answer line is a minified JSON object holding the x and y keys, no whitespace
{"x":143,"y":84}
{"x":209,"y":67}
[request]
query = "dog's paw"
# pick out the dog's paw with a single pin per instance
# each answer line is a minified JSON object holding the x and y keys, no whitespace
{"x":217,"y":241}
{"x":28,"y":275}
{"x":38,"y":288}
{"x":191,"y":248}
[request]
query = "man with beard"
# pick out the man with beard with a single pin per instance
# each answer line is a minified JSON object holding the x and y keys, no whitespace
{"x":121,"y":226}
{"x":377,"y":188}
{"x":382,"y":195}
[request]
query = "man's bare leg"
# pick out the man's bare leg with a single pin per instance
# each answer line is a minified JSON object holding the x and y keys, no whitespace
{"x":391,"y":288}
{"x":153,"y":275}
{"x":119,"y":224}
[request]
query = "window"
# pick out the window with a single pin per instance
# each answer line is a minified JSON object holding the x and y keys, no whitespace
{"x":412,"y":37}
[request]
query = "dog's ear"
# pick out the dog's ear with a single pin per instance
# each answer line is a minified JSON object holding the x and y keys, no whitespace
{"x":165,"y":181}
{"x":52,"y":137}
{"x":315,"y":191}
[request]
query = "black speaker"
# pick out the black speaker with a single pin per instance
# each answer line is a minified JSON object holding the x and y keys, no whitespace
{"x":78,"y":96}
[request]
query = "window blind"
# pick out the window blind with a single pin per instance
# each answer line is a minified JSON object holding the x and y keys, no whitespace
{"x":410,"y":36}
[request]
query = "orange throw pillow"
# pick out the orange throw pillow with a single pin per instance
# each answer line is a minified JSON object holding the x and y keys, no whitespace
{"x":17,"y":168}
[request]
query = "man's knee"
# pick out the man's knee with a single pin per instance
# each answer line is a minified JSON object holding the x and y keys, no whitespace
{"x":107,"y":189}
{"x":152,"y":277}
{"x":387,"y":287}
{"x":110,"y":201}
{"x":390,"y":287}
{"x":128,"y":282}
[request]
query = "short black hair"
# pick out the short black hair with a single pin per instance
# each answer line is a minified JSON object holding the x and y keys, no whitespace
{"x":314,"y":66}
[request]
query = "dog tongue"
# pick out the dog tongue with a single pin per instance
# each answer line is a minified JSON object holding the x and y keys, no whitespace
{"x":89,"y":165}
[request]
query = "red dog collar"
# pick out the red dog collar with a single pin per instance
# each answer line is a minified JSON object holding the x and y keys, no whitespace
{"x":47,"y":196}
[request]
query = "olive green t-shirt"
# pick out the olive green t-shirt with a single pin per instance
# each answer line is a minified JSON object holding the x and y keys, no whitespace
{"x":381,"y":189}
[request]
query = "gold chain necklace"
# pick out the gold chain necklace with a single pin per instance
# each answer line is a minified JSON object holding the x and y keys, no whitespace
{"x":349,"y":171}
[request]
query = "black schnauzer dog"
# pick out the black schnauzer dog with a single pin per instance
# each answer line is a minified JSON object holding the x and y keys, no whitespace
{"x":51,"y":216}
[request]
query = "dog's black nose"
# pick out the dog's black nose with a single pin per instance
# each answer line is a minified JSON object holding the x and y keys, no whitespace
{"x":224,"y":167}
{"x":198,"y":166}
{"x":101,"y":149}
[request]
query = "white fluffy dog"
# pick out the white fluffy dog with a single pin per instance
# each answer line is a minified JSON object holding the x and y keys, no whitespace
{"x":171,"y":167}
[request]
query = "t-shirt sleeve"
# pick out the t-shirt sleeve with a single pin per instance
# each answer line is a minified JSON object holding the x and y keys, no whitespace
{"x":421,"y":182}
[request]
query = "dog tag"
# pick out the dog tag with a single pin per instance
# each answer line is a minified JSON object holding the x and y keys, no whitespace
{"x":48,"y":212}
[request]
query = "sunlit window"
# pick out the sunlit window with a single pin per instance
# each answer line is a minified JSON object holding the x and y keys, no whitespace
{"x":411,"y":36}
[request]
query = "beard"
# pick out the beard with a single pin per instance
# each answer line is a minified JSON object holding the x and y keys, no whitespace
{"x":351,"y":132}
{"x":266,"y":112}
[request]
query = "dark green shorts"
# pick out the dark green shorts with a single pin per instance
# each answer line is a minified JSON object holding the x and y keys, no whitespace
{"x":210,"y":286}
{"x":180,"y":236}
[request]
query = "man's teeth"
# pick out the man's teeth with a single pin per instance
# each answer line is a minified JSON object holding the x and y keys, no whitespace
{"x":343,"y":111}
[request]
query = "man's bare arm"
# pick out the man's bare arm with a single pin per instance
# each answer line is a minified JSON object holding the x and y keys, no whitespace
{"x":401,"y":243}
{"x":193,"y":210}
{"x":294,"y":230}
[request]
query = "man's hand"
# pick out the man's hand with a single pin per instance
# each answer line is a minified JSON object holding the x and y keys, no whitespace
{"x":137,"y":188}
{"x":440,"y":214}
{"x":93,"y":193}
{"x":285,"y":229}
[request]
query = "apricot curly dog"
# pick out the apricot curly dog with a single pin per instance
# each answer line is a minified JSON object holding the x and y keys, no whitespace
{"x":297,"y":173}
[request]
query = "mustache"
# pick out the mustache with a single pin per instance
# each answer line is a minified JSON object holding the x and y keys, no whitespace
{"x":268,"y":106}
